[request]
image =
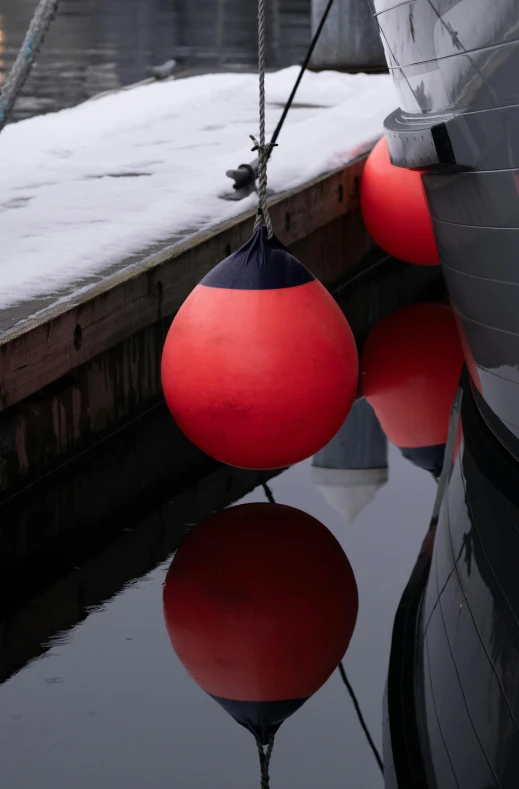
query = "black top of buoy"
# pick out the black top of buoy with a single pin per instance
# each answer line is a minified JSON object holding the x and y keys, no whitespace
{"x":261,"y":718}
{"x":261,"y":264}
{"x":427,"y":458}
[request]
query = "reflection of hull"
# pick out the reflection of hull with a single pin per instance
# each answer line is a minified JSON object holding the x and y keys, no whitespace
{"x":453,"y":685}
{"x":455,"y":65}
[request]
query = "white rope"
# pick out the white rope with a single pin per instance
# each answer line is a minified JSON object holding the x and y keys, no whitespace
{"x":262,"y":147}
{"x":14,"y":83}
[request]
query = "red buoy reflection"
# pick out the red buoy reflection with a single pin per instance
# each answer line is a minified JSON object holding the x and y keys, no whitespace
{"x":260,"y":604}
{"x":411,"y":367}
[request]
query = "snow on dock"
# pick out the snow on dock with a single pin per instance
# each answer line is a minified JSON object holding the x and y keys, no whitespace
{"x":86,"y":190}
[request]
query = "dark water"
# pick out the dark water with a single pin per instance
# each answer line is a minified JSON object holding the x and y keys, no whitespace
{"x":97,"y":45}
{"x":108,"y":703}
{"x":104,"y":701}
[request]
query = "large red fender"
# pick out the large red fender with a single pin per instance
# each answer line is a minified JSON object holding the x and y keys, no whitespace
{"x":260,"y":366}
{"x":395,"y":210}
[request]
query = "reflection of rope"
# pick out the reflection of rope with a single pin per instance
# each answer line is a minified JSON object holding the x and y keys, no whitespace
{"x":361,"y":718}
{"x":268,"y":493}
{"x":265,"y":756}
{"x":40,"y":23}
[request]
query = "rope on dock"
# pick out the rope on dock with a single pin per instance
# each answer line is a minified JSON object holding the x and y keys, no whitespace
{"x":41,"y":21}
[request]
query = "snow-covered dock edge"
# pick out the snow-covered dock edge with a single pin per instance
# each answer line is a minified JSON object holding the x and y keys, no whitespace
{"x":85,"y":367}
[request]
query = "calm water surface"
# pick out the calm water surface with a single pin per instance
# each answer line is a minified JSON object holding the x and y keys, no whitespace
{"x":97,"y":45}
{"x":108,"y":704}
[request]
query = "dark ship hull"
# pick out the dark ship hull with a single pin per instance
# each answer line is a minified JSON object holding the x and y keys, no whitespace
{"x":455,"y":65}
{"x":452,"y":701}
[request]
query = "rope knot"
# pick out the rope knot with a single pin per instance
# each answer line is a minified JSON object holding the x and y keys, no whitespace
{"x":264,"y":150}
{"x":262,"y":147}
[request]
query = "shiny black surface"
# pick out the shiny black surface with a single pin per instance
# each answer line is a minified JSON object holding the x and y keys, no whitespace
{"x":470,"y":612}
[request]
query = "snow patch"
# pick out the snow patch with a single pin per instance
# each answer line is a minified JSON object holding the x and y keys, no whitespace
{"x":84,"y":188}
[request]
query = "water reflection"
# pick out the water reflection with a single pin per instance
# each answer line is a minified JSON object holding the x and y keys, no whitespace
{"x":260,"y":618}
{"x":462,"y":695}
{"x":124,"y":708}
{"x":103,"y":45}
{"x":411,"y":365}
{"x":108,"y":702}
{"x":260,"y":604}
{"x":352,"y":468}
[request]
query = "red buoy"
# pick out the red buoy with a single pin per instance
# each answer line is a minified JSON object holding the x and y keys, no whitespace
{"x":395,"y":211}
{"x":260,"y":604}
{"x":260,"y":366}
{"x":411,"y":366}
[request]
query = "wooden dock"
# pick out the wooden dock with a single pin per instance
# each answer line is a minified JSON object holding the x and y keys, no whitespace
{"x":85,"y":367}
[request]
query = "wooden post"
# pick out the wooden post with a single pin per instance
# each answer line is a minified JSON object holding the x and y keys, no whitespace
{"x":349,"y":40}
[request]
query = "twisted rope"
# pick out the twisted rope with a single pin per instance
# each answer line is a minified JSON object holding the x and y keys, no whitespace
{"x":265,"y":757}
{"x":262,"y":147}
{"x":24,"y":62}
{"x":360,"y":716}
{"x":268,"y":493}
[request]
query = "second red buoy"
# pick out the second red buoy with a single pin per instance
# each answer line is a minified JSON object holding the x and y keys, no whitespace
{"x":395,"y":211}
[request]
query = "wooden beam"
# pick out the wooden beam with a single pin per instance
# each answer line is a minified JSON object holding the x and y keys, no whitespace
{"x":65,"y":337}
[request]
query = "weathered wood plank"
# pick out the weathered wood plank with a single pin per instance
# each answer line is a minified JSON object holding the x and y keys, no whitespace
{"x":47,"y":428}
{"x":51,"y":346}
